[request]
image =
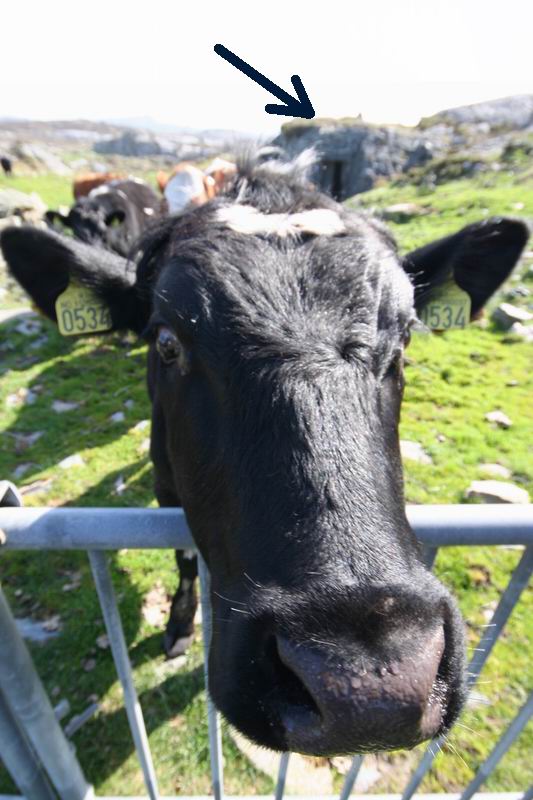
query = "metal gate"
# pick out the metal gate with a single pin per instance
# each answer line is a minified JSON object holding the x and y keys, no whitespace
{"x":32,"y":743}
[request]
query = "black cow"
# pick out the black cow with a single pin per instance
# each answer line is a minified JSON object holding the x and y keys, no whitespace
{"x":277,"y":322}
{"x":6,"y":164}
{"x":113,"y":215}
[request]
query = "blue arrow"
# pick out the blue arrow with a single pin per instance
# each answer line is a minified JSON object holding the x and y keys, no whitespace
{"x":292,"y":107}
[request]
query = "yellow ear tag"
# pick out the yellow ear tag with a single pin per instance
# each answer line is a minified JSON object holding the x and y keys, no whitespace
{"x":80,"y":311}
{"x":448,"y":307}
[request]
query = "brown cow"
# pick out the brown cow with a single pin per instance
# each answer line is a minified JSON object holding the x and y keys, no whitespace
{"x":189,"y":185}
{"x":85,"y":183}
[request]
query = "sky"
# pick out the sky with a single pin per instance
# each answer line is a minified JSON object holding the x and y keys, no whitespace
{"x":391,"y":60}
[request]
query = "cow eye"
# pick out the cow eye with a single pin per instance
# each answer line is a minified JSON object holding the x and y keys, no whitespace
{"x":171,"y":350}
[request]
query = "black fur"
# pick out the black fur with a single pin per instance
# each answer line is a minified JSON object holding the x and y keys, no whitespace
{"x":276,"y":427}
{"x":112,"y":216}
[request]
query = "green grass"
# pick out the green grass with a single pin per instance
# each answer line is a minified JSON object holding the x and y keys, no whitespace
{"x":54,"y":190}
{"x":452,"y":381}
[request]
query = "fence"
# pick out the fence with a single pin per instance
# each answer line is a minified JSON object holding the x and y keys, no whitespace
{"x":32,"y":743}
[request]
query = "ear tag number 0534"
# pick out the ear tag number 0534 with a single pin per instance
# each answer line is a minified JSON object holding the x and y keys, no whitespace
{"x":448,"y":307}
{"x":80,"y":311}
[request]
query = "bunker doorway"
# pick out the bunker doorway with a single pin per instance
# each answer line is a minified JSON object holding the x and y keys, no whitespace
{"x":334,"y":179}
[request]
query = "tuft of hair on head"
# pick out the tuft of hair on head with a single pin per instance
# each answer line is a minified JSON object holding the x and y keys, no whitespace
{"x":273,"y":161}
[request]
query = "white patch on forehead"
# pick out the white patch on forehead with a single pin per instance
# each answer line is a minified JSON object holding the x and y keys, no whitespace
{"x":247,"y":219}
{"x":104,"y":189}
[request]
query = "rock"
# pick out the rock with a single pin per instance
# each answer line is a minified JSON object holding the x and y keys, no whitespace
{"x":119,"y":485}
{"x":7,"y":314}
{"x":35,"y":631}
{"x":496,"y":492}
{"x":73,"y":583}
{"x":506,"y":315}
{"x":413,"y":451}
{"x":524,"y":332}
{"x":72,"y":461}
{"x":118,"y":416}
{"x":28,"y":207}
{"x":136,"y":143}
{"x":22,"y":397}
{"x":495,"y":470}
{"x":129,"y":404}
{"x":38,"y":343}
{"x":403,"y":212}
{"x":52,"y":624}
{"x":40,"y":485}
{"x":25,"y":440}
{"x":351,"y":154}
{"x":142,"y":425}
{"x":102,"y":641}
{"x":61,"y":407}
{"x":304,"y":775}
{"x":89,"y":664}
{"x":498,"y":418}
{"x":156,"y":605}
{"x":512,"y":112}
{"x":21,"y":470}
{"x":29,"y":327}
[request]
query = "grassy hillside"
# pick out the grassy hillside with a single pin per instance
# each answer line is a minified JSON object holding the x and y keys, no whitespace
{"x":452,"y":381}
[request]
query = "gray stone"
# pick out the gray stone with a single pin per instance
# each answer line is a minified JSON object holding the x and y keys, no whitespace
{"x":495,"y":471}
{"x":118,"y":416}
{"x":413,"y":451}
{"x":498,"y":418}
{"x":513,"y":112}
{"x":21,"y":470}
{"x":28,"y":207}
{"x":506,"y":315}
{"x":61,"y":407}
{"x":34,"y":631}
{"x":524,"y":332}
{"x":74,"y":460}
{"x":496,"y":492}
{"x":403,"y":212}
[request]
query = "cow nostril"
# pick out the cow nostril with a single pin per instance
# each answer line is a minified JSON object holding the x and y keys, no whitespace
{"x":290,"y":689}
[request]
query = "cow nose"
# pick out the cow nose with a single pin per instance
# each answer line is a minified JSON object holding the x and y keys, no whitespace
{"x":366,"y":702}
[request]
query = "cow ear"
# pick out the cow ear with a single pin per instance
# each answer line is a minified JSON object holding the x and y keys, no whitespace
{"x":479,"y":258}
{"x":56,"y":219}
{"x":45,"y":263}
{"x":115,"y":218}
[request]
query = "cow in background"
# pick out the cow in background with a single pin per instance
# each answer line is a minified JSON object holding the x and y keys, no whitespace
{"x":188,"y":185}
{"x":85,"y":183}
{"x":113,"y":215}
{"x":7,"y":165}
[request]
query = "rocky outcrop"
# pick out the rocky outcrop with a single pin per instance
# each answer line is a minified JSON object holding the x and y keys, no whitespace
{"x":351,"y":155}
{"x":509,"y":112}
{"x":136,"y":143}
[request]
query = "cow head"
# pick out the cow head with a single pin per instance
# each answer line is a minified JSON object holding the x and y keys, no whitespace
{"x":278,"y":322}
{"x":112,"y":215}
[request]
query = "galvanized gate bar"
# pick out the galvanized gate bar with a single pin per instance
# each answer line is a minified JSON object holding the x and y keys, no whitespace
{"x":282,"y":776}
{"x":504,"y":742}
{"x":515,"y":587}
{"x":351,"y":777}
{"x":153,"y":528}
{"x":113,"y":623}
{"x":20,"y":759}
{"x":32,"y":710}
{"x":213,"y":721}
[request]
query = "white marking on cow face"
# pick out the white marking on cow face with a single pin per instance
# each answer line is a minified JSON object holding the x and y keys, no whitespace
{"x":148,"y":211}
{"x":246,"y":219}
{"x":104,"y":189}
